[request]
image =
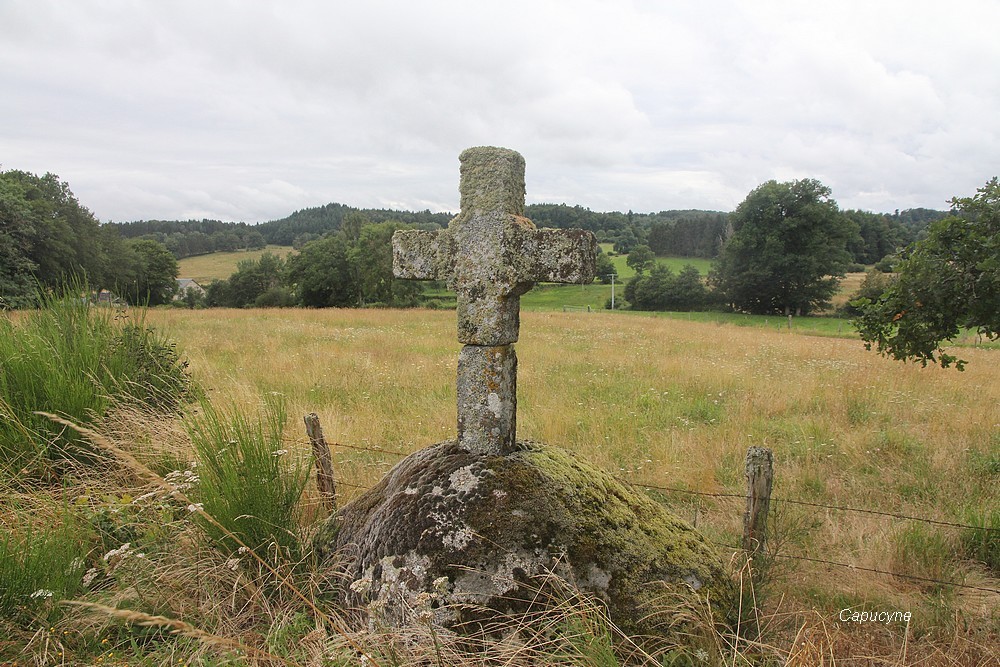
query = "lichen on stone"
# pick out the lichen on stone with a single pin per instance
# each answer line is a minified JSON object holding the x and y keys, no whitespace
{"x":493,"y":524}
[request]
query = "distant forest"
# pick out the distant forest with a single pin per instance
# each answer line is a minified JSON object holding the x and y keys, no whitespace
{"x":681,"y":233}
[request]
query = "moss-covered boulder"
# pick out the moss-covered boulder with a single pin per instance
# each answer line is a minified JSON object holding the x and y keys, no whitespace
{"x":481,"y":529}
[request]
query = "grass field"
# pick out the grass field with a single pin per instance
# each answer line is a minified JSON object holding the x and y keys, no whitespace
{"x":675,"y":263}
{"x":220,"y":265}
{"x":662,"y":400}
{"x":676,"y":402}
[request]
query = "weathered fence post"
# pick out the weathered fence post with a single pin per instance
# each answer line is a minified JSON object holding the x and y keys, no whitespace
{"x":760,"y":477}
{"x":325,"y":483}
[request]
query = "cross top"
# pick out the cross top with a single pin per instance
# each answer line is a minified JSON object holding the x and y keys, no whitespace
{"x":491,"y":255}
{"x":492,"y":180}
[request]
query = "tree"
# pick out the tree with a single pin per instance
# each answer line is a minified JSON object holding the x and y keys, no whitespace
{"x":17,"y":288}
{"x":254,"y":277}
{"x":47,"y":237}
{"x":321,"y":274}
{"x":370,"y":256}
{"x":151,"y":278}
{"x":640,"y":258}
{"x":947,"y":282}
{"x":662,"y":290}
{"x":787,"y":251}
{"x":605,"y":268}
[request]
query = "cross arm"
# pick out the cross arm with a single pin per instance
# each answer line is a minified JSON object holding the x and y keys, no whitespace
{"x":422,"y":255}
{"x":561,"y":256}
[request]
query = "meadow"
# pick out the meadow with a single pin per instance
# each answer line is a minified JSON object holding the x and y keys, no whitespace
{"x":203,"y":269}
{"x":675,"y":403}
{"x":886,"y":498}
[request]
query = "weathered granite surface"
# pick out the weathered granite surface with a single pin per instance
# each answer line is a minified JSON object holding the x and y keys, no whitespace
{"x":481,"y":520}
{"x":484,"y":526}
{"x":490,"y":255}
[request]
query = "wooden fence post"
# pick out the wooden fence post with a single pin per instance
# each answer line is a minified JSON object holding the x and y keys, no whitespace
{"x":325,"y":483}
{"x":760,"y":477}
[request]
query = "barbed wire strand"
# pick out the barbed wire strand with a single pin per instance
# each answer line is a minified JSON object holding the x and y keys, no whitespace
{"x":843,"y":508}
{"x":849,"y":566}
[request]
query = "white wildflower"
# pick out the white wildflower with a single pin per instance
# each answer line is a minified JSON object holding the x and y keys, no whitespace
{"x":440,"y":585}
{"x":42,"y":593}
{"x":76,"y":563}
{"x":233,"y":564}
{"x":279,"y":452}
{"x":120,"y":551}
{"x":195,"y":507}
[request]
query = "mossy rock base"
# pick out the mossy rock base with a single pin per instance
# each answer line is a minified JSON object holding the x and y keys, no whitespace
{"x":494,"y":525}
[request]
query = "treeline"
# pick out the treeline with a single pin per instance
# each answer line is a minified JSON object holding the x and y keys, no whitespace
{"x":311,"y":223}
{"x":185,"y":238}
{"x":49,"y":242}
{"x":680,"y":233}
{"x":348,"y":268}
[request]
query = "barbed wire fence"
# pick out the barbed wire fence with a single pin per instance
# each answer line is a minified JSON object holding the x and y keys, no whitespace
{"x":746,"y":497}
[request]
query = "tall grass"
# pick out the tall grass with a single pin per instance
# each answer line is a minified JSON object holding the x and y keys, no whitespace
{"x":72,"y":359}
{"x":249,"y":482}
{"x":43,"y":548}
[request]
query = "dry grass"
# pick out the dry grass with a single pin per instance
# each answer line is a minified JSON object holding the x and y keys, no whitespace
{"x":676,"y":403}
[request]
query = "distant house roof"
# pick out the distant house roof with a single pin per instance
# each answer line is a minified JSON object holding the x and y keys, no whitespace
{"x":183,"y":284}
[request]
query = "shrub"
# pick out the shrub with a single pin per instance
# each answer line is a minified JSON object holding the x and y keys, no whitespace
{"x":875,"y":283}
{"x":660,"y":289}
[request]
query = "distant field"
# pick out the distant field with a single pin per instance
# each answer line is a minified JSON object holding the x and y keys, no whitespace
{"x":215,"y":266}
{"x":219,"y":265}
{"x":675,"y":263}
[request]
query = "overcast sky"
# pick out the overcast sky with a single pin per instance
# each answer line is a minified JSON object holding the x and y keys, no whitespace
{"x":250,"y":110}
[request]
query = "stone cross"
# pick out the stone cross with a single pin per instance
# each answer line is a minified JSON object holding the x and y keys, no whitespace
{"x":490,"y":255}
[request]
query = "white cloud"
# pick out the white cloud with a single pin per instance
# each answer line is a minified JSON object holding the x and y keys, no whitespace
{"x":249,"y":111}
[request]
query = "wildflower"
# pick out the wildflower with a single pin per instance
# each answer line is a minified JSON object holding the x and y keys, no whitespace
{"x":89,"y":576}
{"x":279,"y":452}
{"x":233,"y":564}
{"x":120,"y":551}
{"x":195,"y":507}
{"x":440,"y":585}
{"x":42,"y":593}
